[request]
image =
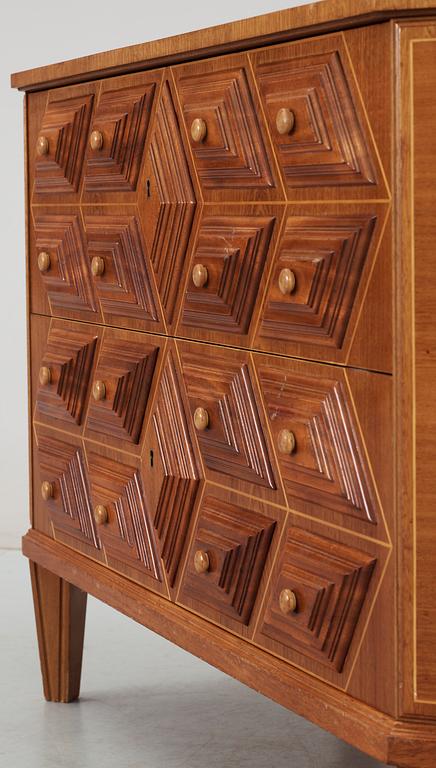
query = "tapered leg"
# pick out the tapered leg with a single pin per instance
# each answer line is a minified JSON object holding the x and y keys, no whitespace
{"x":60,"y":610}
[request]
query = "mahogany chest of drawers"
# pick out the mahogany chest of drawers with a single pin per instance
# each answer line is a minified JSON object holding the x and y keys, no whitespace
{"x":232,"y":358}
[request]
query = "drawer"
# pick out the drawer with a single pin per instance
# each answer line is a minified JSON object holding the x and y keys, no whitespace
{"x":229,"y":556}
{"x":224,"y":124}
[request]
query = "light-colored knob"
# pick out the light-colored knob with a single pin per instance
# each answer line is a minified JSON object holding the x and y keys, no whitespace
{"x":287,"y":601}
{"x":198,"y":129}
{"x":47,"y":490}
{"x":44,"y":261}
{"x":201,"y":561}
{"x":44,"y":376}
{"x":99,"y":390}
{"x":97,"y":266}
{"x":200,"y":275}
{"x":286,"y":281}
{"x":100,"y":514}
{"x":201,"y":419}
{"x":286,"y":441}
{"x":42,"y":145}
{"x":285,"y":121}
{"x":96,"y":140}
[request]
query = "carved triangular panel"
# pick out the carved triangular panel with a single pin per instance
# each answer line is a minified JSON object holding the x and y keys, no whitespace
{"x":236,"y":542}
{"x":326,"y":468}
{"x":329,"y":581}
{"x":66,"y":372}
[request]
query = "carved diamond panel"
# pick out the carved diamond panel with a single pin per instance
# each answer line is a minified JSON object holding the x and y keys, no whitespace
{"x":327,"y":145}
{"x":124,"y":288}
{"x":327,"y":469}
{"x":62,"y":464}
{"x":122,"y":116}
{"x":124,"y":372}
{"x":233,"y":249}
{"x":330,"y":582}
{"x":327,"y":255}
{"x":233,"y":444}
{"x":127,"y":536}
{"x":233,"y":154}
{"x":236,"y":541}
{"x":69,"y":356}
{"x":68,"y":280}
{"x":169,"y":204}
{"x":65,"y":127}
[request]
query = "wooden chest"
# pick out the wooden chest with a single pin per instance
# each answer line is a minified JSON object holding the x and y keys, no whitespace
{"x":232,"y":358}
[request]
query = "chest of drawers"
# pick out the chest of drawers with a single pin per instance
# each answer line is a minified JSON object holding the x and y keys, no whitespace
{"x":232,"y":357}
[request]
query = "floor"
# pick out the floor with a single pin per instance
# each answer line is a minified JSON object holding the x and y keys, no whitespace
{"x":145,"y":703}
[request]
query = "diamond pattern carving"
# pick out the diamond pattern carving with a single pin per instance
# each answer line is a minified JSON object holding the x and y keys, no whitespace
{"x":233,"y":249}
{"x":330,"y":581}
{"x":237,"y":541}
{"x":328,"y":145}
{"x":328,"y":468}
{"x":327,"y":256}
{"x":65,"y":125}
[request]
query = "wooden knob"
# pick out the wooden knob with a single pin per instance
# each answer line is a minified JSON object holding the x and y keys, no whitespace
{"x":96,"y":140}
{"x":97,"y":266}
{"x":198,"y":129}
{"x":44,"y":376}
{"x":286,"y":281}
{"x":201,"y":419}
{"x":47,"y":490}
{"x":99,"y":390}
{"x":285,"y":121}
{"x":100,"y":514}
{"x":201,"y":561}
{"x":199,"y":275}
{"x":44,"y":261}
{"x":42,"y":145}
{"x":286,"y":441}
{"x":287,"y":601}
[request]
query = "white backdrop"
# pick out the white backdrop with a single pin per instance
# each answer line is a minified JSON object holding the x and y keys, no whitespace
{"x":32,"y":34}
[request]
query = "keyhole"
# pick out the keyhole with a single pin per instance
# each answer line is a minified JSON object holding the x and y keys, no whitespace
{"x":151,"y":458}
{"x":148,"y":184}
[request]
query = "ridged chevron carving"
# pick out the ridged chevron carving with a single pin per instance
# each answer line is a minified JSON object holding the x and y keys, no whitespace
{"x":233,"y":249}
{"x":330,"y":582}
{"x":328,"y":145}
{"x":233,"y":444}
{"x":122,"y":116}
{"x":125,"y":367}
{"x":328,"y":468}
{"x":124,"y":289}
{"x":237,"y":541}
{"x":170,"y":207}
{"x":70,"y":356}
{"x":68,"y":281}
{"x":65,"y":126}
{"x":128,"y":536}
{"x":175,"y":493}
{"x":327,"y":255}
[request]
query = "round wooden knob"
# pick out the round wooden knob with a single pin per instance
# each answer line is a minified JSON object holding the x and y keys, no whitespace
{"x":201,"y":419}
{"x":44,"y":376}
{"x":96,"y":140}
{"x":47,"y":490}
{"x":286,"y":281}
{"x":97,"y":266}
{"x":44,"y":261}
{"x":201,"y":561}
{"x":287,"y":601}
{"x":99,"y":390}
{"x":42,"y":145}
{"x":100,"y":514}
{"x":286,"y":441}
{"x":285,"y":121}
{"x":198,"y":130}
{"x":199,"y":275}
